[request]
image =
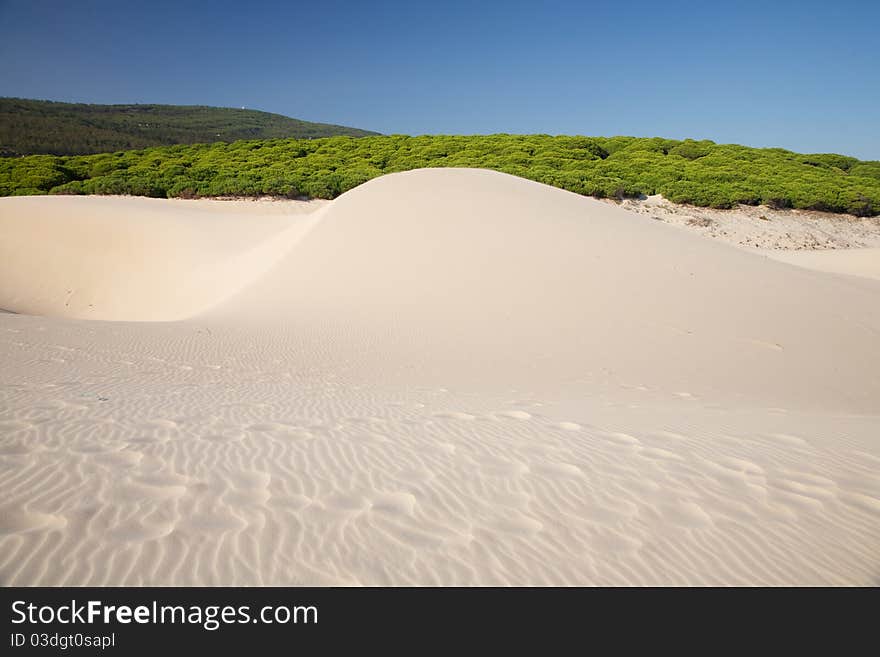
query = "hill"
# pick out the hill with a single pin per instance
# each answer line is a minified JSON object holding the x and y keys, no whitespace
{"x":30,"y":127}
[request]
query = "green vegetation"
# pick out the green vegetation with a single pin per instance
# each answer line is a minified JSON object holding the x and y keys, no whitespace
{"x":696,"y":172}
{"x":30,"y":127}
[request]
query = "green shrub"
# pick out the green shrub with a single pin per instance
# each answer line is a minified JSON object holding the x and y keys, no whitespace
{"x":696,"y":172}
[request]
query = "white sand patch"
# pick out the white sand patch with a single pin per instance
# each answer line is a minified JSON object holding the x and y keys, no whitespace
{"x":763,"y":227}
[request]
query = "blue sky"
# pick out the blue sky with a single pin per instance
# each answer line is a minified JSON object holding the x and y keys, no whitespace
{"x":798,"y":74}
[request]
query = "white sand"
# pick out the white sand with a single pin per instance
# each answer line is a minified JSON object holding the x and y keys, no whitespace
{"x":442,"y":377}
{"x":763,"y":227}
{"x":853,"y":262}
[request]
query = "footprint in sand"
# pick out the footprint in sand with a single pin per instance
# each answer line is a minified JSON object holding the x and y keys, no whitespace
{"x":515,"y":415}
{"x":659,"y":454}
{"x":612,"y":541}
{"x":120,"y":459}
{"x":689,"y":515}
{"x":455,"y":415}
{"x":773,"y":346}
{"x":148,"y":440}
{"x":61,"y":405}
{"x":788,"y":439}
{"x":670,"y":435}
{"x":213,"y":522}
{"x":397,"y":503}
{"x":136,"y":531}
{"x":346,"y":503}
{"x":372,"y":438}
{"x":293,"y":502}
{"x":610,"y":513}
{"x":415,"y":475}
{"x":282,"y":430}
{"x":159,"y":424}
{"x":248,"y":487}
{"x":623,"y":439}
{"x":138,"y":493}
{"x":18,"y":448}
{"x":819,"y":492}
{"x":363,"y":420}
{"x":740,"y":465}
{"x":863,"y":502}
{"x":558,"y":469}
{"x":498,"y":467}
{"x":567,"y":426}
{"x":16,"y":521}
{"x":11,"y":426}
{"x":94,"y":448}
{"x":517,"y":524}
{"x":223,"y":436}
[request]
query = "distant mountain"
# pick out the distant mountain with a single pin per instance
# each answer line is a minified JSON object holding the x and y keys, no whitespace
{"x":29,"y":127}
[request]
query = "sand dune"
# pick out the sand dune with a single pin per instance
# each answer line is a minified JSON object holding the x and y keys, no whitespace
{"x":442,"y":377}
{"x":132,"y":259}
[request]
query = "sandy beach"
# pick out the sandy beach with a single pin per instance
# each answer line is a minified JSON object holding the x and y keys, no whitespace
{"x":444,"y":376}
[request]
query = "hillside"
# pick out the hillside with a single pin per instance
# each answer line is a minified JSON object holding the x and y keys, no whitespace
{"x":45,"y":127}
{"x":699,"y":173}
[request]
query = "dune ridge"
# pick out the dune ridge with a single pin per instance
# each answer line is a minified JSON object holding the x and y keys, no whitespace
{"x":444,"y":376}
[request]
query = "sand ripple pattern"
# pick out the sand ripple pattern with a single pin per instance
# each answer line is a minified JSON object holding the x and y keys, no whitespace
{"x":283,"y":479}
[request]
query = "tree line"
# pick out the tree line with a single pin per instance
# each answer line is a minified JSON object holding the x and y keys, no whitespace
{"x":700,"y":173}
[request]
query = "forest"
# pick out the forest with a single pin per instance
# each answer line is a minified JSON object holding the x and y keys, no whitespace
{"x":30,"y":127}
{"x":700,"y":173}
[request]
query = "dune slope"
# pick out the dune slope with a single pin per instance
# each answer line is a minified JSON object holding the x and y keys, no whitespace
{"x":852,"y":262}
{"x":509,"y":280}
{"x":442,"y":377}
{"x":133,"y":259}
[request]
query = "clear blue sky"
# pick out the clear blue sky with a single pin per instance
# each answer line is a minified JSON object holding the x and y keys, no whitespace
{"x":799,"y":74}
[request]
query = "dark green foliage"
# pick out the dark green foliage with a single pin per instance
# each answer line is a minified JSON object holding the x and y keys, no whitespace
{"x":696,"y":172}
{"x":39,"y":126}
{"x":690,"y":149}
